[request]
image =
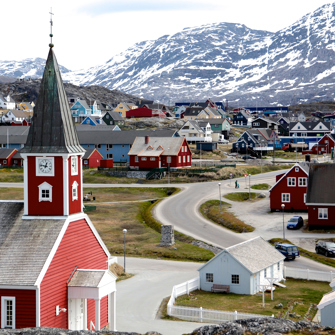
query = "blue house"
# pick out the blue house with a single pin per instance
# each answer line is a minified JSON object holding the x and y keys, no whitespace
{"x":80,"y":110}
{"x":241,"y":119}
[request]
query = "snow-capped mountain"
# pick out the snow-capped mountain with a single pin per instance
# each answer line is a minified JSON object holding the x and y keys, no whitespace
{"x":225,"y":61}
{"x":27,"y":68}
{"x":228,"y":61}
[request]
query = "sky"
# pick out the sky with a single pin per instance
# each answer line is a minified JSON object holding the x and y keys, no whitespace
{"x":90,"y":32}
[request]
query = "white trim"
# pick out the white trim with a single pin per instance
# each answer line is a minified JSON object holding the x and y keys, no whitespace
{"x":44,"y":187}
{"x":75,"y":187}
{"x":319,"y":204}
{"x":17,"y":287}
{"x":25,"y":185}
{"x":3,"y":311}
{"x":74,"y":170}
{"x":66,"y":185}
{"x":37,"y":217}
{"x":38,"y":307}
{"x":52,"y":253}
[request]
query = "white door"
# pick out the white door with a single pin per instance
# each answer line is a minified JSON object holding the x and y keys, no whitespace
{"x":77,"y":314}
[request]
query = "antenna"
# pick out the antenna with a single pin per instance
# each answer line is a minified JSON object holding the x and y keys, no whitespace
{"x":51,"y":24}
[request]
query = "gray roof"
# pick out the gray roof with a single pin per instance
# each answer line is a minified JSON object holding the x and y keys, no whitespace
{"x":118,"y":137}
{"x":321,"y":184}
{"x":115,"y":116}
{"x":89,"y":152}
{"x":156,"y":146}
{"x":52,"y":129}
{"x":90,"y":278}
{"x":24,"y":244}
{"x":214,"y":111}
{"x":4,"y":153}
{"x":310,"y":125}
{"x":193,"y":111}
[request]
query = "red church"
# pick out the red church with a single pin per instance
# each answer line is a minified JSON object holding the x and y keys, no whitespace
{"x":54,"y":267}
{"x":290,"y":189}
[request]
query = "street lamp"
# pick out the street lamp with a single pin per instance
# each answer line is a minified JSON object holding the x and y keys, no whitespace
{"x":220,"y":198}
{"x":283,"y":206}
{"x":249,"y":187}
{"x":124,"y":249}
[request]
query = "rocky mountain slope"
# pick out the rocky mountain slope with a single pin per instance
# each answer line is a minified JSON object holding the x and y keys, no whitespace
{"x":25,"y":90}
{"x":226,"y":61}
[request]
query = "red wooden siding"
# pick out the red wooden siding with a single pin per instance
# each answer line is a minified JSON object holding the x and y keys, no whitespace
{"x":315,"y":222}
{"x":93,"y":160}
{"x":139,"y":112}
{"x":75,"y":205}
{"x":78,"y":247}
{"x":297,"y":193}
{"x":45,"y":207}
{"x":25,"y":307}
{"x":106,"y":162}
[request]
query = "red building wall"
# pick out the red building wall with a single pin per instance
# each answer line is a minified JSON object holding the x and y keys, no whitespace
{"x":45,"y":207}
{"x":106,"y":162}
{"x":139,"y":112}
{"x":94,"y":159}
{"x":327,"y":146}
{"x":313,"y":217}
{"x":296,"y":193}
{"x":78,"y":247}
{"x":75,"y":205}
{"x":25,"y":306}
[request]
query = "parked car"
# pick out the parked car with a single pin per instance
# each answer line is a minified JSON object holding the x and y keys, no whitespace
{"x":295,"y":222}
{"x":247,"y":157}
{"x":290,"y":251}
{"x":326,"y":248}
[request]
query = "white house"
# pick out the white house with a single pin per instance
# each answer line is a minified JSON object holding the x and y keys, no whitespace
{"x":327,"y":309}
{"x":195,"y":133}
{"x":10,"y":102}
{"x":244,"y":267}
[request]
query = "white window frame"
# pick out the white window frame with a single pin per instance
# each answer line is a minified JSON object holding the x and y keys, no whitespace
{"x":286,"y":197}
{"x":184,"y":159}
{"x":136,"y":159}
{"x":291,"y":182}
{"x":44,"y":187}
{"x":302,"y":181}
{"x":4,"y":310}
{"x":75,"y":191}
{"x":143,"y":158}
{"x":209,"y":277}
{"x":168,"y":159}
{"x":324,"y":213}
{"x":152,"y":158}
{"x":235,"y":279}
{"x":5,"y":162}
{"x":305,"y":198}
{"x":296,"y":169}
{"x":179,"y":159}
{"x":74,"y":165}
{"x":188,"y":159}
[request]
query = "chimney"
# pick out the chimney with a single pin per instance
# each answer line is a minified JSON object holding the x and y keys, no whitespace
{"x":146,"y":140}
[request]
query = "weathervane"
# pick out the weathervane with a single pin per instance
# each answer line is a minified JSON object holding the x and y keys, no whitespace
{"x":51,"y":24}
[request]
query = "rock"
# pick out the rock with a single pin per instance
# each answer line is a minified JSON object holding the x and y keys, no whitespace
{"x":261,"y":195}
{"x":279,"y":305}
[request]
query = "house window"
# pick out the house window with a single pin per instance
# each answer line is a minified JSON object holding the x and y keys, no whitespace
{"x":296,"y":169}
{"x":302,"y":181}
{"x":75,"y":191}
{"x":152,"y":158}
{"x":109,"y":156}
{"x":5,"y":161}
{"x":8,"y":312}
{"x":188,"y":158}
{"x":144,"y":158}
{"x":45,"y":192}
{"x":209,"y":277}
{"x":235,"y":279}
{"x":304,"y":198}
{"x":291,"y":181}
{"x":278,"y":266}
{"x":184,"y":159}
{"x":326,"y":141}
{"x":136,"y":159}
{"x":265,"y":274}
{"x":168,"y":159}
{"x":323,"y":213}
{"x":285,"y":197}
{"x":179,"y":159}
{"x":109,"y":146}
{"x":85,"y":161}
{"x":98,"y":146}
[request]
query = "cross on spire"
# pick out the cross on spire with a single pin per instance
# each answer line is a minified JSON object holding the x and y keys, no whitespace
{"x":51,"y":24}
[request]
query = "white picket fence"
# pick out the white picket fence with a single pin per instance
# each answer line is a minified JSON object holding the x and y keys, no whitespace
{"x":208,"y":315}
{"x":297,"y":273}
{"x":200,"y":314}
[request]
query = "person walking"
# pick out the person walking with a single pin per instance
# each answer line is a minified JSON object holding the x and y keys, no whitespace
{"x":236,"y":184}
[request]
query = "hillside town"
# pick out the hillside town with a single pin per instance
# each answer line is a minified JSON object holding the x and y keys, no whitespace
{"x":124,"y":215}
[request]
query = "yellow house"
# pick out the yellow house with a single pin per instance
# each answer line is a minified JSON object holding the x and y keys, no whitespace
{"x":123,"y":107}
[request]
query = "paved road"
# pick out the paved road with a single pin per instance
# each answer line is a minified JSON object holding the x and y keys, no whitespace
{"x":138,"y":299}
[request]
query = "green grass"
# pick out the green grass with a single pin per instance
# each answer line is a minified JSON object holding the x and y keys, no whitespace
{"x":297,"y":298}
{"x":11,"y":175}
{"x":266,"y":168}
{"x":241,"y":196}
{"x":260,"y":187}
{"x":211,"y":211}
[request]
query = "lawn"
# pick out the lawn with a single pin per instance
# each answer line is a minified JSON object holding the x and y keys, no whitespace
{"x":11,"y":175}
{"x":260,"y":186}
{"x":211,"y":211}
{"x":241,"y":196}
{"x":296,"y":298}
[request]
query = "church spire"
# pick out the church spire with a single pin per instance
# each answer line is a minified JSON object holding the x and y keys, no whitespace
{"x":51,"y":24}
{"x":52,"y":129}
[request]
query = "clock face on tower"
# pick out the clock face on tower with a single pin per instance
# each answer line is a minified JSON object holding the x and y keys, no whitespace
{"x":74,"y":165}
{"x":44,"y":166}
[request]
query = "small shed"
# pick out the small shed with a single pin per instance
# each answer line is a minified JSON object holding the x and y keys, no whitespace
{"x":207,"y":146}
{"x":6,"y":156}
{"x":243,"y":267}
{"x":327,"y":309}
{"x":92,"y":158}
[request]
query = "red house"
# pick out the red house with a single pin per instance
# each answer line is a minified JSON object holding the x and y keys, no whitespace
{"x":321,"y":196}
{"x":325,"y":145}
{"x":290,"y":189}
{"x":157,"y":152}
{"x":6,"y":156}
{"x":143,"y":111}
{"x":53,"y":263}
{"x":92,"y":158}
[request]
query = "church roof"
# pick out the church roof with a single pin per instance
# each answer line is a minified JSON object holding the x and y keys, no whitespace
{"x":52,"y":129}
